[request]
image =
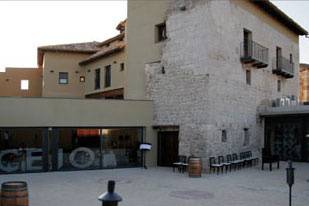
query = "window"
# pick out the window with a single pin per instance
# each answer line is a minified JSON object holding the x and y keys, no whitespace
{"x":246,"y":137}
{"x":248,"y":77}
{"x":63,"y":77}
{"x":108,"y":74}
{"x":223,"y":136}
{"x":291,"y":58}
{"x":279,"y":85}
{"x":97,"y":79}
{"x":82,"y":79}
{"x":24,"y":84}
{"x":160,"y":32}
{"x":278,"y":57}
{"x":122,"y":67}
{"x":247,"y":43}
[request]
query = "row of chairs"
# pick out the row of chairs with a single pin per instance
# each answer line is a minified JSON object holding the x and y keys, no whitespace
{"x":232,"y":162}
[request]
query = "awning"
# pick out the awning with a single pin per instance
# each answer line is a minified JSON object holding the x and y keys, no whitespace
{"x":284,"y":110}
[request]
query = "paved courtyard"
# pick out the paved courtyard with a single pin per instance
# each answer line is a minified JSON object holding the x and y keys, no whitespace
{"x":160,"y":186}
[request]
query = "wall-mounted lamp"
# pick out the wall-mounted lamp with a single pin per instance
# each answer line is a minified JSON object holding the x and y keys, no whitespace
{"x":105,"y":132}
{"x":88,"y":70}
{"x":82,"y":79}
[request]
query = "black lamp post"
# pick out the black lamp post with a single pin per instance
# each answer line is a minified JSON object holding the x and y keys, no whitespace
{"x":290,"y":179}
{"x":110,"y":198}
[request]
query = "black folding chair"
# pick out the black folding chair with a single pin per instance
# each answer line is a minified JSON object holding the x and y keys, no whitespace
{"x":226,"y":164}
{"x":255,"y":160}
{"x":239,"y":163}
{"x":214,"y":165}
{"x":180,"y":164}
{"x":246,"y":157}
{"x":243,"y":157}
{"x":229,"y":159}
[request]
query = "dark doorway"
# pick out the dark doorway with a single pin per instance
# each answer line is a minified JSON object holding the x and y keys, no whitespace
{"x":167,"y":148}
{"x":287,"y":137}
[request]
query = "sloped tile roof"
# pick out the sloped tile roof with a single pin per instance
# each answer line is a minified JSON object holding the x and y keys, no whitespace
{"x":303,"y":66}
{"x":105,"y":51}
{"x":95,"y":49}
{"x":119,"y":37}
{"x":276,"y":13}
{"x":85,"y":47}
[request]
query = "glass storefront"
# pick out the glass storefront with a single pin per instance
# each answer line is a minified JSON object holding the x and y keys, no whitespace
{"x":288,"y":137}
{"x":54,"y":149}
{"x":21,"y":150}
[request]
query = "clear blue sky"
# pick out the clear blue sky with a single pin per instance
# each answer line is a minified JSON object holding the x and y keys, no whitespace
{"x":299,"y":11}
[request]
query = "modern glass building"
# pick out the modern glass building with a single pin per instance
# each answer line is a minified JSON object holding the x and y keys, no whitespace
{"x":54,"y":149}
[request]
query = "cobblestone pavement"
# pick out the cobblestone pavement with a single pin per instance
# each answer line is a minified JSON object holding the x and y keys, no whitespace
{"x":160,"y":186}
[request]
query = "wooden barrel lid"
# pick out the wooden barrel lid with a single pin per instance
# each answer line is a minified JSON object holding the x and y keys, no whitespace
{"x":14,"y":185}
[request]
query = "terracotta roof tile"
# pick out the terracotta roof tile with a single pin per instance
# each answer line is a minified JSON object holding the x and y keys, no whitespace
{"x":110,"y":40}
{"x":104,"y":52}
{"x":122,"y":26}
{"x":303,"y":66}
{"x":85,"y":47}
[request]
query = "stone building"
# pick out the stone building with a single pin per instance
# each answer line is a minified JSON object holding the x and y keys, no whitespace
{"x":180,"y":75}
{"x":209,"y":66}
{"x":304,"y":82}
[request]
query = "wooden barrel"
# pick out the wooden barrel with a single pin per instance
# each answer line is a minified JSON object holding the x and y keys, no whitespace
{"x":195,"y":167}
{"x":14,"y":194}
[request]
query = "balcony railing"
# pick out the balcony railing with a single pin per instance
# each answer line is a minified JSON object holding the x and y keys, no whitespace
{"x":283,"y":66}
{"x":254,"y":53}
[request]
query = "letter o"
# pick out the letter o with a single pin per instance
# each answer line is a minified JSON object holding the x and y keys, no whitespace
{"x":87,"y":163}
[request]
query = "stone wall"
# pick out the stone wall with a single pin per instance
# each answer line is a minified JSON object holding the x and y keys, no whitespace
{"x":200,"y":83}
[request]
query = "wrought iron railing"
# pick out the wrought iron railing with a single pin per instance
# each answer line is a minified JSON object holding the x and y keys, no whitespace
{"x":251,"y":50}
{"x":283,"y":66}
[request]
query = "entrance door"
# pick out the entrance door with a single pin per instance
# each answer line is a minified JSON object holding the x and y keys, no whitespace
{"x":167,"y":148}
{"x":285,"y":138}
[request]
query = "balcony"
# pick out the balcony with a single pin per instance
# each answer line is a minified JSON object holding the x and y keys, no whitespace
{"x":283,"y":67}
{"x":254,"y":53}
